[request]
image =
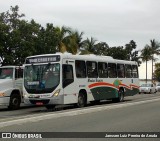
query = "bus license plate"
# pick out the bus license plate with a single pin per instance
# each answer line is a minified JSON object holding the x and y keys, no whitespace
{"x":39,"y":103}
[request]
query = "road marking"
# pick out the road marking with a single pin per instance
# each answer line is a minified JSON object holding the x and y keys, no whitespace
{"x":71,"y":113}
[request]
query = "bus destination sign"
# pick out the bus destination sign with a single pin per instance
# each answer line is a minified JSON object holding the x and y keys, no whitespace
{"x":43,"y":59}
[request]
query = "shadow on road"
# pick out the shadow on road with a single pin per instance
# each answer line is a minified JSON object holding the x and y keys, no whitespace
{"x":68,"y":107}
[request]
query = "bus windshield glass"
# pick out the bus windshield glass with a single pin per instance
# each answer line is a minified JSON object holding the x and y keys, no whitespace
{"x":42,"y":78}
{"x":6,"y":73}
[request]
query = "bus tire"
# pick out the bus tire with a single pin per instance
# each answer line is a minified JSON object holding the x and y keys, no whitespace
{"x":50,"y":107}
{"x":15,"y":101}
{"x":120,"y":96}
{"x":81,"y":100}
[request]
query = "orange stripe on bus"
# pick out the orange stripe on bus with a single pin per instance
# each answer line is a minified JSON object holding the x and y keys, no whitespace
{"x":111,"y":85}
{"x":100,"y":84}
{"x":135,"y":86}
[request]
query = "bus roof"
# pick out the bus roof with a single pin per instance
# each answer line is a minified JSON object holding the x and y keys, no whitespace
{"x":88,"y":57}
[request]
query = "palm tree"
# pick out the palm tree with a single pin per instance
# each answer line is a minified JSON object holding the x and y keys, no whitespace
{"x":155,"y":46}
{"x":88,"y":46}
{"x":157,"y":71}
{"x":62,"y":34}
{"x":146,"y":55}
{"x":74,"y":42}
{"x":79,"y":40}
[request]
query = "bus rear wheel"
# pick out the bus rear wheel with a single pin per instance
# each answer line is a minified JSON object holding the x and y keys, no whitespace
{"x":120,"y":96}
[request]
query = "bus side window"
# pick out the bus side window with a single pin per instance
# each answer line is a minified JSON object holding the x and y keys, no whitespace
{"x":67,"y":75}
{"x":92,"y":69}
{"x":120,"y":70}
{"x":128,"y":71}
{"x":135,"y":71}
{"x":80,"y":67}
{"x":102,"y":70}
{"x":112,"y":71}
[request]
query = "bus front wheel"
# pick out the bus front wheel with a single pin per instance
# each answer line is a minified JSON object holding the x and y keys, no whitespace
{"x":81,"y":100}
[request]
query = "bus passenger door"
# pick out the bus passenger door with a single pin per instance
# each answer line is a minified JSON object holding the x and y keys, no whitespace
{"x":68,"y":82}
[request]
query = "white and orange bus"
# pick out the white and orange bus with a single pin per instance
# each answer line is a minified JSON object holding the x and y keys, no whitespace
{"x":53,"y":79}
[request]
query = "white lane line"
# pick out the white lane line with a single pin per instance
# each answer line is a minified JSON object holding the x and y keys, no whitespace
{"x":71,"y":113}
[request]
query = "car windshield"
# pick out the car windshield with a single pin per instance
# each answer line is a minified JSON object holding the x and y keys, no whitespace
{"x":146,"y":85}
{"x":42,"y":78}
{"x":6,"y":73}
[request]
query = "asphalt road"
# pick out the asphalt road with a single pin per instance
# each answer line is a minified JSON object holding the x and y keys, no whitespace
{"x":140,"y":113}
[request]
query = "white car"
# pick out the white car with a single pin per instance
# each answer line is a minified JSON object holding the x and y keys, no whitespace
{"x":147,"y":88}
{"x":158,"y":87}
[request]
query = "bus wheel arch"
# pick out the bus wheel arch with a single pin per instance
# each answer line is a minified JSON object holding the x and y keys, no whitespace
{"x":82,"y":98}
{"x":15,"y":100}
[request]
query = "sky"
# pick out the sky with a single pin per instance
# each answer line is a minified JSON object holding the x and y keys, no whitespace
{"x":115,"y":22}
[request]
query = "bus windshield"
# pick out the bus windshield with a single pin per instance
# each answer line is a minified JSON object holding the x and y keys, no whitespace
{"x":6,"y":73}
{"x":42,"y":78}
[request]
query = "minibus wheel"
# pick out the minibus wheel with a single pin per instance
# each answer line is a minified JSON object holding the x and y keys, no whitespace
{"x":15,"y":102}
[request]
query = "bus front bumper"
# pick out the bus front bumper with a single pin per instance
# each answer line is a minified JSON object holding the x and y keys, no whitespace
{"x":46,"y":101}
{"x":4,"y":101}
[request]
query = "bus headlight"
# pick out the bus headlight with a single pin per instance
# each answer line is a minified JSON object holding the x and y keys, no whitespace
{"x":56,"y":93}
{"x":25,"y":95}
{"x":2,"y":94}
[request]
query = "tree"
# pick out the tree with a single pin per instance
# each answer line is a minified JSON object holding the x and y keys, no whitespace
{"x":129,"y":48}
{"x":78,"y":38}
{"x":28,"y":39}
{"x":155,"y":46}
{"x":157,"y":71}
{"x":62,"y":34}
{"x":118,"y":53}
{"x":19,"y":37}
{"x":47,"y":40}
{"x":9,"y":24}
{"x":74,"y":42}
{"x":88,"y":46}
{"x":132,"y":53}
{"x":146,"y":55}
{"x":101,"y":48}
